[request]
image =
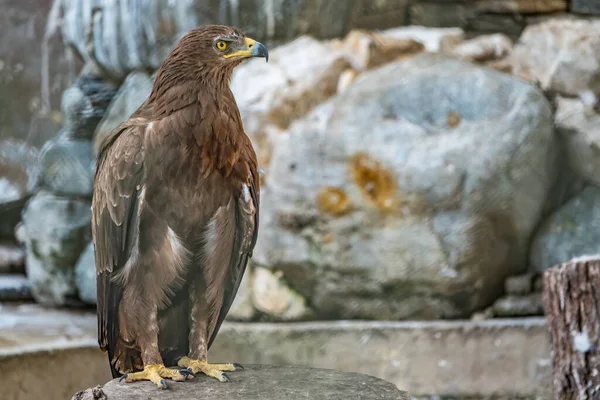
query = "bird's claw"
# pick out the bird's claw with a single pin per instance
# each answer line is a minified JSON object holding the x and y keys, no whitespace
{"x":157,"y":374}
{"x":213,"y":370}
{"x":187,"y":373}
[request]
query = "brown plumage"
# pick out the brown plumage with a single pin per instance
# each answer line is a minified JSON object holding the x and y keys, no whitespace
{"x":175,"y":213}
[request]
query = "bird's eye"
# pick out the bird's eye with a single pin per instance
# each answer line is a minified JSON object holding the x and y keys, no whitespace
{"x":221,"y":45}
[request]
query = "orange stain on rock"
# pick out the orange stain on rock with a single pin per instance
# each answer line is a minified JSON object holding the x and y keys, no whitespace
{"x":334,"y":201}
{"x":375,"y":181}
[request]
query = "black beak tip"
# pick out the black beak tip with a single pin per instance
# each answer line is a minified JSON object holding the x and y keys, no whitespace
{"x":259,"y":50}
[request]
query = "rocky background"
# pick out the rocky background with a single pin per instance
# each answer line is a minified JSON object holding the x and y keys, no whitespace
{"x":422,"y":160}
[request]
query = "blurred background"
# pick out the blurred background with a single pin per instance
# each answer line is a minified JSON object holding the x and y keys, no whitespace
{"x":424,"y":162}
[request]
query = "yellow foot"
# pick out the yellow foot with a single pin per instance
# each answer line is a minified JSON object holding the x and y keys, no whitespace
{"x":155,"y":373}
{"x":214,"y":370}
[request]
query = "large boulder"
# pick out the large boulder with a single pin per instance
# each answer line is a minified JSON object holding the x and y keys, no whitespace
{"x":572,"y":231}
{"x":413,"y":195}
{"x":55,"y":231}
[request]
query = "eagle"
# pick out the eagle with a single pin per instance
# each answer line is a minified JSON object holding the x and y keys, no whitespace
{"x":175,"y":214}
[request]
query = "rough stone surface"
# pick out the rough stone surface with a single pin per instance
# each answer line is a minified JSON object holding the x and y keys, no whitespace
{"x":14,"y":287}
{"x":68,"y":166}
{"x":85,"y":275}
{"x":298,"y":76}
{"x":12,"y":258}
{"x":420,"y":357}
{"x":55,"y":231}
{"x":572,"y":231}
{"x":519,"y":306}
{"x":560,"y":54}
{"x":271,"y":296}
{"x":373,"y":211}
{"x":262,"y":382}
{"x":67,"y":160}
{"x":579,"y":125}
{"x":153,"y":27}
{"x":19,"y":172}
{"x":132,"y":93}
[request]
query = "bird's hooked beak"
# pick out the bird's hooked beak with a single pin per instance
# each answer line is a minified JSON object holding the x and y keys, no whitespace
{"x":253,"y":49}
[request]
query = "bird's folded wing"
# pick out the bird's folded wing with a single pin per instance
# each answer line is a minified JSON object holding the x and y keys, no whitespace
{"x":246,"y":232}
{"x":117,"y":203}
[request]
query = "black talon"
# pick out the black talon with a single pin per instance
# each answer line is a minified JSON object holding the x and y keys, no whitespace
{"x":163,"y":384}
{"x":238,"y":366}
{"x":226,"y":377}
{"x":123,"y":377}
{"x":186,"y":372}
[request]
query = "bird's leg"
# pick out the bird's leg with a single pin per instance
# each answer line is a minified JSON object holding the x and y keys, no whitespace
{"x":197,"y":360}
{"x":154,"y":368}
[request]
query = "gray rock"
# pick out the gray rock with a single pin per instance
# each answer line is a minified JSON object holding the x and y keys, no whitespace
{"x":153,"y":27}
{"x":55,"y":231}
{"x":14,"y":287}
{"x":68,"y":166}
{"x":132,"y":93}
{"x":85,"y":103}
{"x":262,"y":382}
{"x":519,"y":306}
{"x":242,"y":308}
{"x":413,"y":195}
{"x":19,"y":172}
{"x":572,"y":231}
{"x":579,"y":125}
{"x":518,"y":284}
{"x":85,"y":275}
{"x":67,"y":160}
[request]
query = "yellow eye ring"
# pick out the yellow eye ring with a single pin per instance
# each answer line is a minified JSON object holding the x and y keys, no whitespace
{"x":221,"y":45}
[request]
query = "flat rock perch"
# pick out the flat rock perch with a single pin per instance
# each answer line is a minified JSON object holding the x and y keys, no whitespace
{"x":257,"y":382}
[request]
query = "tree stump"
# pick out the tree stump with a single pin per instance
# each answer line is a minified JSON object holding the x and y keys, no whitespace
{"x":257,"y":382}
{"x":571,"y":299}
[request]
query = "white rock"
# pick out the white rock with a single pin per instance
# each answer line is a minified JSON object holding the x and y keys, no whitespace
{"x":434,"y":39}
{"x":298,"y":76}
{"x":560,"y":54}
{"x":271,"y":296}
{"x":484,"y":48}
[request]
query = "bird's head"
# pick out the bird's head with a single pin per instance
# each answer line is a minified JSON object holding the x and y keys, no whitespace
{"x":215,"y":47}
